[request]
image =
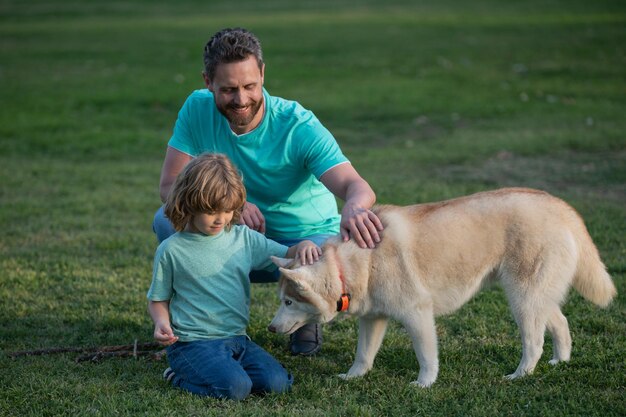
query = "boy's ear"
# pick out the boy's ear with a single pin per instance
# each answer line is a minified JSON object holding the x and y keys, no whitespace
{"x":281,"y":262}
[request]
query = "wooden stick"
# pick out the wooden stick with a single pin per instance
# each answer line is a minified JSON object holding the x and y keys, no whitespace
{"x":133,"y":347}
{"x":96,"y":356}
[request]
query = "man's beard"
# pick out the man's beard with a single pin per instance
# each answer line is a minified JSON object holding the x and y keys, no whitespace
{"x":240,"y":120}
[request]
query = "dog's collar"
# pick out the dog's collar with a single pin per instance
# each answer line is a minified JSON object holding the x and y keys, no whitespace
{"x":344,"y":300}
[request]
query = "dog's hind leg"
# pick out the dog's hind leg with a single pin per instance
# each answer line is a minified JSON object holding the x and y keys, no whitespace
{"x":561,"y":338}
{"x":421,"y":328}
{"x":371,"y":334}
{"x":532,"y":325}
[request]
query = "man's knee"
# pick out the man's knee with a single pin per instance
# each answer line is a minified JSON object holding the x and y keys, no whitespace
{"x":162,"y":226}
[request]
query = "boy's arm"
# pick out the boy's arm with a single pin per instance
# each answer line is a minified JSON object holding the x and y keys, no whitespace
{"x":307,"y":251}
{"x":160,"y":313}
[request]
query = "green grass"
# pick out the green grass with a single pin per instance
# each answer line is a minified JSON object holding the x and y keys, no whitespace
{"x":430,"y":100}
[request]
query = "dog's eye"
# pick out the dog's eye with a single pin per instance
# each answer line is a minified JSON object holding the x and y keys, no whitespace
{"x":288,"y":302}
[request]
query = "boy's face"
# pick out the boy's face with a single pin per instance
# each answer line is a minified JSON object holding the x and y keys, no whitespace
{"x":209,"y":224}
{"x":237,"y":88}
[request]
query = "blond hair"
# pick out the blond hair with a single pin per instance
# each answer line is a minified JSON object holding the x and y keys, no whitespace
{"x":208,"y":184}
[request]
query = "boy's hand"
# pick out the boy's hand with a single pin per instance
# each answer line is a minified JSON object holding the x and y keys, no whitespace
{"x":164,"y":335}
{"x":308,"y":252}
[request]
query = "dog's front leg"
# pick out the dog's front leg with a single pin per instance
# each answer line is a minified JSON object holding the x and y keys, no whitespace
{"x":421,"y":328}
{"x":371,"y":333}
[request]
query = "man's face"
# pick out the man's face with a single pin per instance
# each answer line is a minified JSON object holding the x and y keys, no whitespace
{"x":238,"y":91}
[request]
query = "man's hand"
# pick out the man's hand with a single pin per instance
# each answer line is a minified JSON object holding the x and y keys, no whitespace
{"x":357,"y":221}
{"x":252,"y":217}
{"x":360,"y":224}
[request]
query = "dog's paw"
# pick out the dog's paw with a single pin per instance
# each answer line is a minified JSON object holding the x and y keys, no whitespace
{"x":516,"y":375}
{"x":422,"y":384}
{"x":520,"y":372}
{"x":425,"y":381}
{"x":351,"y":374}
{"x":427,"y":376}
{"x":554,"y":361}
{"x":356,"y":370}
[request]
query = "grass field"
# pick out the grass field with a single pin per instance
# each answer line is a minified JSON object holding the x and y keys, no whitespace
{"x":430,"y":100}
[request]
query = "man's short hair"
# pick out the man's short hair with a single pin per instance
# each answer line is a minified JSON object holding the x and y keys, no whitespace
{"x":231,"y":45}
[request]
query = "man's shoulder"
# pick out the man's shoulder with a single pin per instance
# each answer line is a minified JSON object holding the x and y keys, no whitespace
{"x":285,"y":107}
{"x":203,"y":95}
{"x":199,"y":101}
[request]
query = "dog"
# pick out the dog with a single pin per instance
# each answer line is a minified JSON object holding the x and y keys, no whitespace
{"x":434,"y":257}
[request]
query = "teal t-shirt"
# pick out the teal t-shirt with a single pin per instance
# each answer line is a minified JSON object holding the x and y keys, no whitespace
{"x":281,"y":161}
{"x":205,"y":279}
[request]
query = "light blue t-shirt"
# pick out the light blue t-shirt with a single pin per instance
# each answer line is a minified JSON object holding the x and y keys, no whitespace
{"x":281,"y":161}
{"x":205,"y":279}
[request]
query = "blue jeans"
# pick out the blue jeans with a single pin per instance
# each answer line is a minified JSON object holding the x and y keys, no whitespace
{"x":164,"y":229}
{"x":232,"y":368}
{"x":162,"y":226}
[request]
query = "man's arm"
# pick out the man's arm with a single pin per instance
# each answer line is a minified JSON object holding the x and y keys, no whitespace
{"x":357,"y":221}
{"x":174,"y":162}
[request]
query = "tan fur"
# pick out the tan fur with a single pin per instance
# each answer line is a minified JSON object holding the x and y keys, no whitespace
{"x":434,"y":257}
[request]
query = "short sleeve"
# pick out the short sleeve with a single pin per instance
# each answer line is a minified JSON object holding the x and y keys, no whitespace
{"x":261,"y":250}
{"x":318,"y":147}
{"x":161,"y":287}
{"x":182,"y":139}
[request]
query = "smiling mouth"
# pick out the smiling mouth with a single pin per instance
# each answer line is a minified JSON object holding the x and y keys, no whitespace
{"x":240,"y":109}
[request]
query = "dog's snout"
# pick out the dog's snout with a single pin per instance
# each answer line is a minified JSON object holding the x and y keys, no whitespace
{"x":271,"y":328}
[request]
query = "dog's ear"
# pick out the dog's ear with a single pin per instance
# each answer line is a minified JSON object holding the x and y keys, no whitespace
{"x":281,"y":262}
{"x":298,"y":277}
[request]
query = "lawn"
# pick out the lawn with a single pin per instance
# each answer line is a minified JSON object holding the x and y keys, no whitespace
{"x":429,"y":100}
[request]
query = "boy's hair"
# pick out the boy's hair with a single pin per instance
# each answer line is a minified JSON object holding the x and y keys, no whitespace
{"x":231,"y":45}
{"x":208,"y":184}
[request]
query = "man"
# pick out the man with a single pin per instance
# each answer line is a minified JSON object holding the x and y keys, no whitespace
{"x":291,"y":164}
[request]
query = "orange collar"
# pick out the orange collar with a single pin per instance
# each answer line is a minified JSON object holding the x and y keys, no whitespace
{"x":344,"y":300}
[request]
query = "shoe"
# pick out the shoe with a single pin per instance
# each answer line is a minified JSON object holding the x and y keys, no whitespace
{"x":306,"y":341}
{"x":168,"y":375}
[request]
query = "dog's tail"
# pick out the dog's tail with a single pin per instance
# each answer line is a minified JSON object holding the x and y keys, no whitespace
{"x":592,"y":280}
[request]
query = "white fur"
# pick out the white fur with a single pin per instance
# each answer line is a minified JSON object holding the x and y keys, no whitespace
{"x":434,"y":257}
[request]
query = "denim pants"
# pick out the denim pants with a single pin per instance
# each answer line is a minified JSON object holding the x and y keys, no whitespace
{"x":163,"y":229}
{"x":232,"y":368}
